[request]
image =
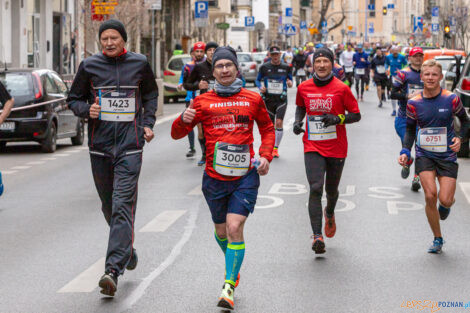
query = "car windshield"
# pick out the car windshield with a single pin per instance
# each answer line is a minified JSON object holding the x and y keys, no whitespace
{"x":259,"y":56}
{"x":244,"y":58}
{"x":445,"y":63}
{"x":177,"y":63}
{"x":17,"y":84}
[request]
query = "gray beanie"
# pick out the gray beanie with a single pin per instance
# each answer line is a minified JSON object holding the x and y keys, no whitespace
{"x":224,"y":53}
{"x":113,"y":24}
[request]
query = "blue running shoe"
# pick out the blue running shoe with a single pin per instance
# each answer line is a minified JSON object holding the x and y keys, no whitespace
{"x":436,"y":246}
{"x":443,"y":212}
{"x":1,"y":184}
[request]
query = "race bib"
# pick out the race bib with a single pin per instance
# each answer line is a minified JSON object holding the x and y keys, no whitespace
{"x":231,"y":159}
{"x":301,"y":72}
{"x":380,"y":69}
{"x":349,"y":69}
{"x":117,"y":105}
{"x":433,"y":139}
{"x":360,"y":71}
{"x":412,"y":88}
{"x":275,"y":87}
{"x":317,"y":132}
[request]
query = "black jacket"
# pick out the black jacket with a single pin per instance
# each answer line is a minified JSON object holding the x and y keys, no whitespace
{"x":127,"y":70}
{"x":299,"y":60}
{"x":202,"y":71}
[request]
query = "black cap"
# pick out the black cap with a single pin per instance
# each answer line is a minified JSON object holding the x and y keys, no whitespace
{"x":274,"y":49}
{"x":211,"y":44}
{"x":113,"y":24}
{"x":324,"y":52}
{"x":225,"y":53}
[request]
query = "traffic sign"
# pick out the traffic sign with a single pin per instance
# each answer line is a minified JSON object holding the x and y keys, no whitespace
{"x":202,"y":9}
{"x":390,"y":6}
{"x":371,"y":7}
{"x":250,"y":23}
{"x":156,"y":5}
{"x":222,"y":25}
{"x":288,"y":11}
{"x":435,"y":29}
{"x":435,"y":11}
{"x":418,"y":24}
{"x":371,"y":30}
{"x":303,"y":25}
{"x":288,"y":17}
{"x":453,"y":24}
{"x":290,"y":30}
{"x":324,"y":24}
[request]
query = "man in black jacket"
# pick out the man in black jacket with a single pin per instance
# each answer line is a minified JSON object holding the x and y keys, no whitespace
{"x":116,"y":90}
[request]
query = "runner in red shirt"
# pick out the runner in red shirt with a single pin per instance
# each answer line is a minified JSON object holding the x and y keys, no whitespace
{"x":325,"y":100}
{"x":230,"y":183}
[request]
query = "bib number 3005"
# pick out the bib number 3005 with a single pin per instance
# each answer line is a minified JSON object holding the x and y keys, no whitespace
{"x":231,"y":159}
{"x":117,"y":106}
{"x":317,"y":132}
{"x":433,"y":139}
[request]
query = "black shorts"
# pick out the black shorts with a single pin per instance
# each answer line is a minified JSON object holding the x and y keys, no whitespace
{"x":382,"y":82}
{"x":442,"y":167}
{"x":276,"y":108}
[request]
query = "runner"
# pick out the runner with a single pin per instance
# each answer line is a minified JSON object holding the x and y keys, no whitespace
{"x":408,"y":84}
{"x":199,"y":50}
{"x":276,"y":77}
{"x":325,"y":100}
{"x":346,"y":61}
{"x":189,"y":96}
{"x":370,"y":52}
{"x":230,"y":183}
{"x":200,"y":81}
{"x":361,"y":64}
{"x":288,"y":56}
{"x":7,"y":104}
{"x":116,"y":91}
{"x":299,"y":67}
{"x":380,"y":75}
{"x":394,"y":62}
{"x":433,"y":111}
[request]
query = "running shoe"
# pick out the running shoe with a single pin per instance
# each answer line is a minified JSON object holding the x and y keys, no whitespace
{"x":443,"y":211}
{"x":275,"y":153}
{"x":133,"y":261}
{"x":436,"y":246}
{"x":202,"y":161}
{"x":415,"y":184}
{"x":238,"y":280}
{"x":108,"y":284}
{"x":405,"y":171}
{"x":367,"y":88}
{"x":394,"y":113}
{"x":330,"y":226}
{"x":318,"y":244}
{"x":380,"y":104}
{"x":191,"y":153}
{"x":226,"y":298}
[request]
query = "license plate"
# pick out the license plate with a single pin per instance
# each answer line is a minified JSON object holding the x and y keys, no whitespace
{"x":7,"y":126}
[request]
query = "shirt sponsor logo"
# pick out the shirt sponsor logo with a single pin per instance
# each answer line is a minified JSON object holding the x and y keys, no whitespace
{"x":321,"y":105}
{"x":230,"y":122}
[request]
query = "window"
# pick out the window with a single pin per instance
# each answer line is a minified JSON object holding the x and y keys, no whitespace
{"x":59,"y":83}
{"x":244,"y":58}
{"x":51,"y":88}
{"x":17,"y":84}
{"x":178,"y":63}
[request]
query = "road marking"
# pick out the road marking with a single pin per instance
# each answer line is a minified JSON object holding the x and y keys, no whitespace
{"x":465,"y":187}
{"x":35,"y":163}
{"x":83,"y":148}
{"x":8,"y":172}
{"x":48,"y":159}
{"x":287,"y":189}
{"x":394,"y":206}
{"x":61,"y":154}
{"x":175,"y":252}
{"x":384,"y":194}
{"x":276,"y":201}
{"x":162,"y":221}
{"x":167,"y":118}
{"x":197,"y":191}
{"x":87,"y":281}
{"x":20,"y":167}
{"x":74,"y":151}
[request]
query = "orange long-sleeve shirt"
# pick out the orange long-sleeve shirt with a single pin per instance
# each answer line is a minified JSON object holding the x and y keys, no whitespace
{"x":229,"y":120}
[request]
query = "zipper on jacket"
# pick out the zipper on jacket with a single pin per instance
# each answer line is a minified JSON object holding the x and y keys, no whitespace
{"x":118,"y":84}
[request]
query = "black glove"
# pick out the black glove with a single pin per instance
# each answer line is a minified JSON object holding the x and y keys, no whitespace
{"x":330,"y":120}
{"x":298,"y":128}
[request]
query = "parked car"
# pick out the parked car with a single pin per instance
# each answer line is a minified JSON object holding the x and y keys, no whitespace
{"x":259,"y":58}
{"x":248,"y":67}
{"x":171,"y":77}
{"x":40,"y":112}
{"x":450,"y":75}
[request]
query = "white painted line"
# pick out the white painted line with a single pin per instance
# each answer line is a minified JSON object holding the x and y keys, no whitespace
{"x":162,"y":221}
{"x":197,"y":191}
{"x":35,"y":162}
{"x":175,"y":252}
{"x":48,"y":159}
{"x":20,"y":167}
{"x":465,"y":187}
{"x":87,"y":281}
{"x":8,"y":172}
{"x":167,"y":118}
{"x":61,"y":154}
{"x":74,"y":151}
{"x":83,"y":148}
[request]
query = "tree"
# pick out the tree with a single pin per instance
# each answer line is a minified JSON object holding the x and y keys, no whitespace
{"x":324,"y":8}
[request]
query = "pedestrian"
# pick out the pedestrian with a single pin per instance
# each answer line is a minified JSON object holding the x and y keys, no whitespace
{"x":325,"y":100}
{"x":274,"y":77}
{"x":116,"y":91}
{"x":432,"y":111}
{"x":7,"y":102}
{"x":231,"y":181}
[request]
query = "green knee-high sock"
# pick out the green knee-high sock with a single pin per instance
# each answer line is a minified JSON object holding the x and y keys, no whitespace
{"x":222,"y":242}
{"x":233,"y":261}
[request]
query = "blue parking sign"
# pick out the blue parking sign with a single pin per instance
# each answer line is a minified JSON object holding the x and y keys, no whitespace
{"x":202,"y":9}
{"x":249,"y":21}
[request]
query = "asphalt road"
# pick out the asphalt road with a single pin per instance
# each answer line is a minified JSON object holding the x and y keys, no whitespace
{"x":53,"y":236}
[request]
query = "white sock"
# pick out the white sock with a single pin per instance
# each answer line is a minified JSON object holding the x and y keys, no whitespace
{"x":394,"y":105}
{"x":279,"y":132}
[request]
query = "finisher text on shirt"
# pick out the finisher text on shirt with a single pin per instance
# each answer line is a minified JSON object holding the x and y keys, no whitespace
{"x":230,"y":104}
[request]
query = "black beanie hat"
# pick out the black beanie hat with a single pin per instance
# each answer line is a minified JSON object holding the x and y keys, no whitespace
{"x":224,"y":53}
{"x":324,"y":52}
{"x":211,"y":44}
{"x":113,"y":24}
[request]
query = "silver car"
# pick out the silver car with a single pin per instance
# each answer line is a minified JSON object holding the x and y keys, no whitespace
{"x":247,"y":66}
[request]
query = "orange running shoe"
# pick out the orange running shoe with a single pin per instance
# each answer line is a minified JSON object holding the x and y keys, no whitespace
{"x":275,"y":153}
{"x":318,"y":244}
{"x":330,"y":226}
